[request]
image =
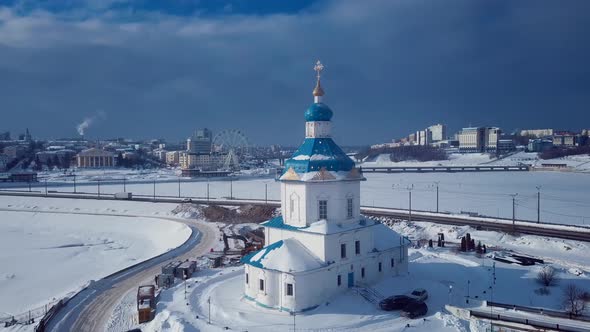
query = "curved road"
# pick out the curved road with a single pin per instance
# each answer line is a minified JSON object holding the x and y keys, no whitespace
{"x":91,"y":309}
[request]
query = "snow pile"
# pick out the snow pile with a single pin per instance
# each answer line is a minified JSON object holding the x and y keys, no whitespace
{"x":188,"y":211}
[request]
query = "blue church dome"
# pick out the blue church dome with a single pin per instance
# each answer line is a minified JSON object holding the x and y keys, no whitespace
{"x":318,"y":112}
{"x":317,"y":153}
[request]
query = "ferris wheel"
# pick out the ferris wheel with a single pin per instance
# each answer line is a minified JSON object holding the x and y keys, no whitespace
{"x":231,"y":140}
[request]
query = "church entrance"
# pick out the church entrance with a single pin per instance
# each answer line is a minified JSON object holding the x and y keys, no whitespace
{"x":350,"y":279}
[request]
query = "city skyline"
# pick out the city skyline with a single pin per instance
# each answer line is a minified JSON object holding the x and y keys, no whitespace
{"x":163,"y":70}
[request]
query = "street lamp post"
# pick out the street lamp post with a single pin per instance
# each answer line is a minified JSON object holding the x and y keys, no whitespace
{"x":514,"y":211}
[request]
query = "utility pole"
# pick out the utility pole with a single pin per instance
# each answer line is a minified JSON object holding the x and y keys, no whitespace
{"x":209,"y":301}
{"x":154,"y":190}
{"x":437,"y":182}
{"x":538,"y":204}
{"x":231,"y":188}
{"x":124,"y":185}
{"x":410,"y":202}
{"x":207,"y":190}
{"x":45,"y":187}
{"x":294,"y":326}
{"x":513,"y":210}
{"x":74,"y":183}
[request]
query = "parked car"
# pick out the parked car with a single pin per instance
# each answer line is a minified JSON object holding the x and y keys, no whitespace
{"x":414,"y":309}
{"x":419,"y":294}
{"x":395,"y":302}
{"x":187,"y":200}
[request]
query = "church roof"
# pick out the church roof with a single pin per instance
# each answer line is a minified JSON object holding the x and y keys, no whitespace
{"x":94,"y":152}
{"x":317,"y":153}
{"x":287,"y":255}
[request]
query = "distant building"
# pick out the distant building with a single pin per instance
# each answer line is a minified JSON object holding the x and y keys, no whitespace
{"x":4,"y":160}
{"x":471,"y":139}
{"x":61,"y":158}
{"x":539,"y":145}
{"x":423,"y":137}
{"x":5,"y":136}
{"x":505,"y":146}
{"x":492,"y":135}
{"x":200,"y":142}
{"x":537,"y":132}
{"x":160,"y":154}
{"x":438,"y":132}
{"x":205,"y":161}
{"x":26,"y":136}
{"x":94,"y":157}
{"x":172,"y":158}
{"x":15,"y":151}
{"x":565,"y":139}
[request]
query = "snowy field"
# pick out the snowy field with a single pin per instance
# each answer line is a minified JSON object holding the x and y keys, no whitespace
{"x":45,"y":256}
{"x":434,"y":269}
{"x":578,"y":163}
{"x":564,"y":195}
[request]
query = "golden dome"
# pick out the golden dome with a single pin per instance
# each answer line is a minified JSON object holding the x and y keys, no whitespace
{"x":318,"y":91}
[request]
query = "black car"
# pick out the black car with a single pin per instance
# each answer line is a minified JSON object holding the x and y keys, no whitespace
{"x":396,"y":302}
{"x":415,"y":309}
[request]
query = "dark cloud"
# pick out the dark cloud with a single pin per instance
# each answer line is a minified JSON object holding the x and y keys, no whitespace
{"x":391,"y":67}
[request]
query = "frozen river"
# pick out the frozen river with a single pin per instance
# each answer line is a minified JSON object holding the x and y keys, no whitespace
{"x":565,"y":197}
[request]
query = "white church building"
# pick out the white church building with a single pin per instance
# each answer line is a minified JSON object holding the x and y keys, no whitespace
{"x":321,"y":245}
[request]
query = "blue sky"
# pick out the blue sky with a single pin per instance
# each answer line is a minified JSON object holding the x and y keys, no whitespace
{"x":164,"y":68}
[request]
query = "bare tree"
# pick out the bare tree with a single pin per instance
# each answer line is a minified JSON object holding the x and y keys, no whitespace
{"x":547,"y":276}
{"x":574,"y":299}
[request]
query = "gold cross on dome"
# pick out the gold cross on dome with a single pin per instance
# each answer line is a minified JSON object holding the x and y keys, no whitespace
{"x":318,"y":68}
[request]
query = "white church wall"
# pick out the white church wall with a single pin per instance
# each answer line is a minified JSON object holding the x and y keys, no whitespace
{"x":318,"y":129}
{"x":299,"y":201}
{"x":317,"y":287}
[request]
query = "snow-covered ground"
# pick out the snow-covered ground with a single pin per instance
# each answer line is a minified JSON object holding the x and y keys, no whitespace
{"x":563,"y":194}
{"x":578,"y":163}
{"x":59,"y":246}
{"x":435,"y":269}
{"x":455,"y":159}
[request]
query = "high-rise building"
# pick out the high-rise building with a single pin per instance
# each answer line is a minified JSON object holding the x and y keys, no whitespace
{"x":492,"y":135}
{"x":471,"y":139}
{"x":200,"y":142}
{"x":438,"y":132}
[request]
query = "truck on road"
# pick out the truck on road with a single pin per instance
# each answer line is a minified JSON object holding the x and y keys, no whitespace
{"x":124,"y":195}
